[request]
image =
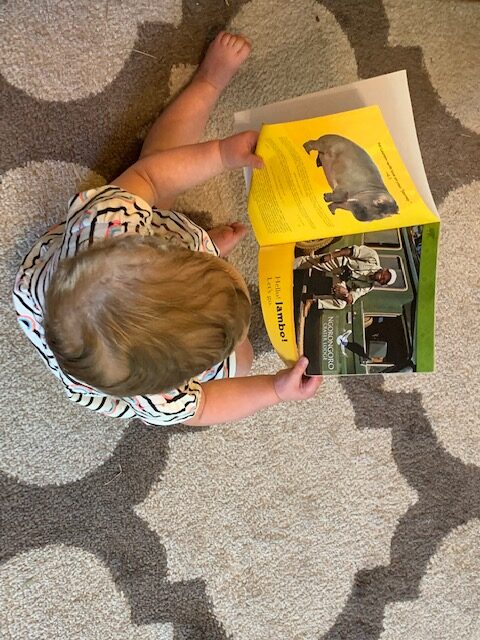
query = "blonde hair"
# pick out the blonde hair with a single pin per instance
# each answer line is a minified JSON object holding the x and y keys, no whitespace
{"x":139,"y":315}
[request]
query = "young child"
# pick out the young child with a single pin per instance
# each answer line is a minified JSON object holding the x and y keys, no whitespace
{"x":130,"y":304}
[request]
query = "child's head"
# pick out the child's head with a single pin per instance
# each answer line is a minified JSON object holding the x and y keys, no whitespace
{"x":138,"y":315}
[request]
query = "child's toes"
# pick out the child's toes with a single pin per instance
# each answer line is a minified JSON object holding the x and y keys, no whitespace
{"x":223,"y":58}
{"x":236,"y":43}
{"x":241,"y":45}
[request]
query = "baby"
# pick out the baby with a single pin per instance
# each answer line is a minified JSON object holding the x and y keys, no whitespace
{"x":131,"y":305}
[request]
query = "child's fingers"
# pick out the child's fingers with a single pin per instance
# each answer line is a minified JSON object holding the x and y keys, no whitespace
{"x":308,"y":384}
{"x":293,"y":384}
{"x":256,"y":161}
{"x":299,"y":369}
{"x":311,"y":385}
{"x":251,"y":135}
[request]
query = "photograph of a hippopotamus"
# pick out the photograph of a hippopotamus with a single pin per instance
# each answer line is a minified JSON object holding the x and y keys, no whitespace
{"x":356,"y":182}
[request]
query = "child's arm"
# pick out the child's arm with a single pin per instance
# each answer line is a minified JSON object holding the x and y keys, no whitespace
{"x":235,"y":398}
{"x":163,"y":175}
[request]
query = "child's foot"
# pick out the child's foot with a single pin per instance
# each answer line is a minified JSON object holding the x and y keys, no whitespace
{"x":223,"y":58}
{"x":227,"y":236}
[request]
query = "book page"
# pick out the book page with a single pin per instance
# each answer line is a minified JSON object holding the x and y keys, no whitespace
{"x":275,"y":268}
{"x":358,"y":304}
{"x":390,"y":92}
{"x":331,"y":176}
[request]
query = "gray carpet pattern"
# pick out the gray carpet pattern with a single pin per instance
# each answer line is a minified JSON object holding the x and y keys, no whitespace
{"x":353,"y":516}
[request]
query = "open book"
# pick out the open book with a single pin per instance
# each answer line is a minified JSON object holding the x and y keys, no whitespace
{"x":347,"y":228}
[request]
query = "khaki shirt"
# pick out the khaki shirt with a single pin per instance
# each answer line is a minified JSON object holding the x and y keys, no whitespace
{"x":363,"y":262}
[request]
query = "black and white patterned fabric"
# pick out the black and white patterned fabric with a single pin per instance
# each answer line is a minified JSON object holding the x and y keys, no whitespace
{"x":96,"y":215}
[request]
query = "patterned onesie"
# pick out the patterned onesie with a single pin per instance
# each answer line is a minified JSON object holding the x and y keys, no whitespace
{"x":95,"y":215}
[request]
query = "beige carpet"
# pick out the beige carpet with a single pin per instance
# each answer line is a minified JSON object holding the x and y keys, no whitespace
{"x":355,"y":515}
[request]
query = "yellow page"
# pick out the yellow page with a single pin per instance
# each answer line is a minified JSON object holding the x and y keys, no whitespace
{"x":275,"y":279}
{"x":333,"y":175}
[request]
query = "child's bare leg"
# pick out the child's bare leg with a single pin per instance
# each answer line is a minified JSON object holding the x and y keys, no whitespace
{"x":183,"y":121}
{"x":244,"y":358}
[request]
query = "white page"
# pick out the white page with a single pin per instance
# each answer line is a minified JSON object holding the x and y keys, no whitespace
{"x":390,"y":92}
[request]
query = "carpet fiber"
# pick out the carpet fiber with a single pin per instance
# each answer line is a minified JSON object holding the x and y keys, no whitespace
{"x":355,"y":515}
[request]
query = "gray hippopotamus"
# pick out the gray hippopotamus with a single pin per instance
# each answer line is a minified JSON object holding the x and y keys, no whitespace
{"x":356,"y":182}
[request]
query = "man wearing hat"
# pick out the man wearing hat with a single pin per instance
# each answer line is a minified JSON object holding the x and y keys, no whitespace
{"x":354,"y":270}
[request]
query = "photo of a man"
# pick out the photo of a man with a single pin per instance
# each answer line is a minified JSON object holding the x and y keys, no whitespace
{"x":355,"y":302}
{"x":354,"y":271}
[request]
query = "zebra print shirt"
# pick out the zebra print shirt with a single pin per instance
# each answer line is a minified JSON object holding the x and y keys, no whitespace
{"x":94,"y":215}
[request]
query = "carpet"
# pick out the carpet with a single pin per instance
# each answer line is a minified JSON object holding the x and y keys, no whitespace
{"x":354,"y":515}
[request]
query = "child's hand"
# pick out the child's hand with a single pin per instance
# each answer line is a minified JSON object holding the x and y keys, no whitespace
{"x":238,"y":151}
{"x":292,"y":384}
